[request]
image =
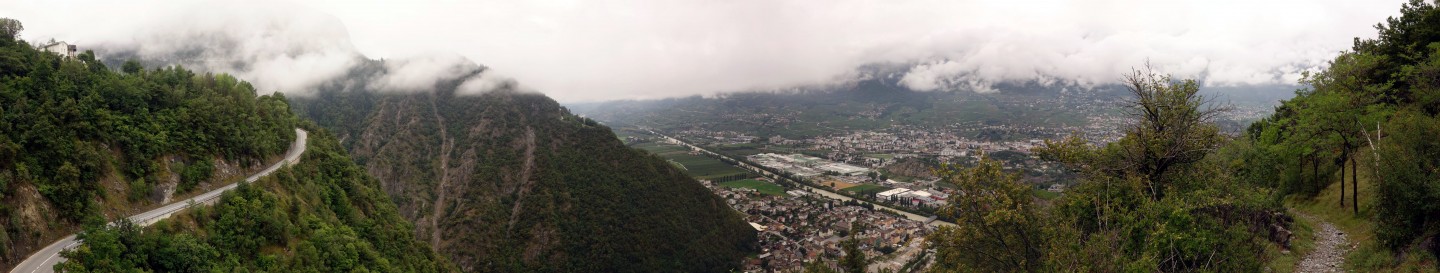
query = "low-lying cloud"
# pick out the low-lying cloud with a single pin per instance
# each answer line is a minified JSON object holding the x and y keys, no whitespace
{"x":421,"y":73}
{"x":623,"y":49}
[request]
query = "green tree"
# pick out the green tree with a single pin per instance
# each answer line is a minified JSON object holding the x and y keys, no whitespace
{"x":1175,"y":127}
{"x":10,"y":28}
{"x":1157,"y":199}
{"x":1408,"y":206}
{"x":132,"y":67}
{"x":854,"y":260}
{"x":997,"y":225}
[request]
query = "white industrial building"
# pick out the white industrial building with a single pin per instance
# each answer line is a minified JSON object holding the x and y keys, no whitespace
{"x":892,"y":193}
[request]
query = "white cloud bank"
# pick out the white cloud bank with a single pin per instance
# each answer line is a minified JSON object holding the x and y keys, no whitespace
{"x":616,"y":49}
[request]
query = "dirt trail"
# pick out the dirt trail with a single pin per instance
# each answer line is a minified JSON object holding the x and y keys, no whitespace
{"x":1330,"y":248}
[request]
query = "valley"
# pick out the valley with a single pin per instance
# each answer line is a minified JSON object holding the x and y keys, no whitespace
{"x":735,"y":136}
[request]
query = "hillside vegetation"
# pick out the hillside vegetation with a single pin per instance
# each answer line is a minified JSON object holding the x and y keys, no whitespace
{"x":1371,"y":116}
{"x":323,"y":214}
{"x":512,"y":182}
{"x":1173,"y":195}
{"x":81,"y":143}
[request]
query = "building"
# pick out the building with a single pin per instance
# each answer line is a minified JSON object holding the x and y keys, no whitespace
{"x":64,"y":49}
{"x":892,"y":193}
{"x":845,"y":169}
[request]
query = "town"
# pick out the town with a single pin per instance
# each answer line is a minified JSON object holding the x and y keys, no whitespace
{"x":807,"y":195}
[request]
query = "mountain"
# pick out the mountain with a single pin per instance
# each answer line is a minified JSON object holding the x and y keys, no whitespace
{"x":507,"y":181}
{"x":868,"y":104}
{"x":878,"y":99}
{"x":496,"y":181}
{"x":82,"y":144}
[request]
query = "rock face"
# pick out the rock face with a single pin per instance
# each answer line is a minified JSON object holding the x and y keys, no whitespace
{"x":505,"y":181}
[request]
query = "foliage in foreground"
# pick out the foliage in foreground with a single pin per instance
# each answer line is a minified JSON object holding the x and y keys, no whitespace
{"x":1175,"y":196}
{"x":1159,"y":199}
{"x":1381,"y":98}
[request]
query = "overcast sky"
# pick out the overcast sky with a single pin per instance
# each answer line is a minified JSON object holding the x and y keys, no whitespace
{"x":600,"y":50}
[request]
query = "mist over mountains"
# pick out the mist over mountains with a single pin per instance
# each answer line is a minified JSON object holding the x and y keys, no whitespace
{"x":582,"y":52}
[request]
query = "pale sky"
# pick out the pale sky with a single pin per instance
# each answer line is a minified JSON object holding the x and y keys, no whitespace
{"x":600,"y":50}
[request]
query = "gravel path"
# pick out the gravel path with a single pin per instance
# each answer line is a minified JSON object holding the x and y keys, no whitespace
{"x":1330,"y":248}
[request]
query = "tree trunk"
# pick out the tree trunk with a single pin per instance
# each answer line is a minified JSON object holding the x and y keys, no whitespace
{"x":1315,"y":171}
{"x":1355,"y":193}
{"x":1342,"y":181}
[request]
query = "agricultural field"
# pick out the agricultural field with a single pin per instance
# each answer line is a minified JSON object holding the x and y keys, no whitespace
{"x":864,"y":189}
{"x":837,"y":184}
{"x":761,"y":186}
{"x":698,"y":166}
{"x":743,"y":149}
{"x":662,"y":149}
{"x":704,"y":167}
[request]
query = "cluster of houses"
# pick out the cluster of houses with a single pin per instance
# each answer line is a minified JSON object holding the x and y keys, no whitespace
{"x":801,"y":227}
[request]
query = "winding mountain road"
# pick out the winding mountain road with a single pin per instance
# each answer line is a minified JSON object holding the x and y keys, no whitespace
{"x":44,"y":260}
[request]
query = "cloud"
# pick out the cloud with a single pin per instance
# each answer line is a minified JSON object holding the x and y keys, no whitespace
{"x":421,"y":73}
{"x":628,"y":49}
{"x":275,"y":47}
{"x":487,"y":82}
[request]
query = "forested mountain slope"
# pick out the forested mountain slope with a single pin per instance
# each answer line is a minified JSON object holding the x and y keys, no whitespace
{"x":323,"y":214}
{"x":506,"y":181}
{"x":81,"y":145}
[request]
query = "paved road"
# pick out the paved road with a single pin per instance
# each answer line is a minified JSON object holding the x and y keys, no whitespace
{"x":45,"y":259}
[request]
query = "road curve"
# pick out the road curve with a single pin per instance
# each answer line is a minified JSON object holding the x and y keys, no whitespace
{"x":44,"y":260}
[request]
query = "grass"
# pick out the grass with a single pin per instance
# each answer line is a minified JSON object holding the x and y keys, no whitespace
{"x":1045,"y":194}
{"x":1368,"y":255}
{"x":1302,"y":243}
{"x":703,"y":167}
{"x":698,"y":166}
{"x":947,"y":185}
{"x":867,"y":189}
{"x":761,"y":186}
{"x":661,"y":148}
